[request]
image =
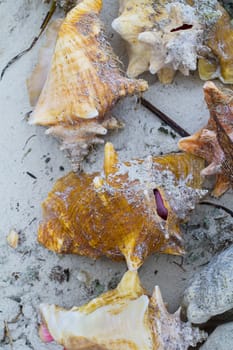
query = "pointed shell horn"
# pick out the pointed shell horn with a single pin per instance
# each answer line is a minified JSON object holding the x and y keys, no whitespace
{"x":110,"y":159}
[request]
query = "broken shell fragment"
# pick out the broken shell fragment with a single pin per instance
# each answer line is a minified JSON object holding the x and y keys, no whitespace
{"x":130,"y":210}
{"x":74,"y":91}
{"x":214,"y":142}
{"x":122,"y":319}
{"x":211,"y":290}
{"x":168,"y":36}
{"x":13,"y":239}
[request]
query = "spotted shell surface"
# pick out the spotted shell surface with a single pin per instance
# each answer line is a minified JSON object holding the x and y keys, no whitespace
{"x":211,"y":291}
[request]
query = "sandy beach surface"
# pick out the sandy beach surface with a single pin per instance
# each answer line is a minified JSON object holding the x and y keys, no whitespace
{"x":31,"y":162}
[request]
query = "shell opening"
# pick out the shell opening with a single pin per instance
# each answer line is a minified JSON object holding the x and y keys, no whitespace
{"x":185,"y":26}
{"x":160,"y":207}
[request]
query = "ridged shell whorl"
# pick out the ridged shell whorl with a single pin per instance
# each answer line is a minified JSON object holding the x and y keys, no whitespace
{"x":82,"y":84}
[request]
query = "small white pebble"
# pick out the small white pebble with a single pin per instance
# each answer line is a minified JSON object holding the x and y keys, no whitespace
{"x":13,"y":239}
{"x":82,"y":276}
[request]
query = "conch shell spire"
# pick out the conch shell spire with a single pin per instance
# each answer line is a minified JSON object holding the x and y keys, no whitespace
{"x":122,"y":319}
{"x":78,"y":87}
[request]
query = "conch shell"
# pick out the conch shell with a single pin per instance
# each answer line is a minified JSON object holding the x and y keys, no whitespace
{"x":166,"y":36}
{"x":131,"y":210}
{"x":217,"y":61}
{"x":82,"y":83}
{"x":122,"y":319}
{"x":221,"y":338}
{"x":210,"y":291}
{"x":214,"y":142}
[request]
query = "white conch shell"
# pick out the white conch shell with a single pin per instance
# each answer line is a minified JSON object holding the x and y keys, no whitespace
{"x":83,"y":83}
{"x":123,"y":319}
{"x":149,"y":27}
{"x":165,"y":36}
{"x":210,"y":291}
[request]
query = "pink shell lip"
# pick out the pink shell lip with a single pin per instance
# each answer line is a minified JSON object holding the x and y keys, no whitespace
{"x":160,"y":207}
{"x":44,"y":334}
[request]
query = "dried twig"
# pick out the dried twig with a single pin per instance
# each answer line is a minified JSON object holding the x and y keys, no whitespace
{"x":177,"y":128}
{"x":218,"y":206}
{"x":8,"y":334}
{"x":28,"y":141}
{"x":42,"y":28}
{"x":180,"y":264}
{"x":31,"y":175}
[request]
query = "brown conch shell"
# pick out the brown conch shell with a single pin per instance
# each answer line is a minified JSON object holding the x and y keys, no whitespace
{"x":130,"y":210}
{"x":214,"y":142}
{"x":126,"y":318}
{"x":166,"y":36}
{"x":74,"y":94}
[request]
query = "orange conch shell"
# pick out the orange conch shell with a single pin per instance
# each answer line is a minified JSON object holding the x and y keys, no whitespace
{"x":126,"y":318}
{"x":214,"y":142}
{"x":83,"y":83}
{"x":131,"y":210}
{"x":218,"y":59}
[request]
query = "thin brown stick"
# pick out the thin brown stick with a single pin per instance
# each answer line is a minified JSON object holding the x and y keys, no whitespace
{"x":218,"y":206}
{"x":177,"y":128}
{"x":42,"y":28}
{"x":8,"y":334}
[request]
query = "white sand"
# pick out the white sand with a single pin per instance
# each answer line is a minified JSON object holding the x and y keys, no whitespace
{"x":25,"y":272}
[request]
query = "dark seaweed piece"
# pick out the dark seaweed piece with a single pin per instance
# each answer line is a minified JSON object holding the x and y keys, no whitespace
{"x":42,"y":28}
{"x":177,"y":128}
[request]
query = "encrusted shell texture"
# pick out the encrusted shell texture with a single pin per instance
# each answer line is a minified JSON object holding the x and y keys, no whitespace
{"x":210,"y":292}
{"x":214,"y":142}
{"x":166,"y":36}
{"x":74,"y":94}
{"x":130,"y":210}
{"x":217,"y":60}
{"x":126,"y":318}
